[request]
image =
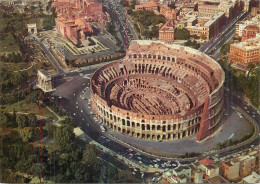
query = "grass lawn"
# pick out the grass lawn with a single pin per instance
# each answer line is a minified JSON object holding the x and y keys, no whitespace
{"x":8,"y":44}
{"x":15,"y":66}
{"x":21,"y":106}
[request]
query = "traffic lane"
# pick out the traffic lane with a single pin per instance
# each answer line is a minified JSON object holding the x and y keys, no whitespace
{"x":247,"y":108}
{"x":106,"y":141}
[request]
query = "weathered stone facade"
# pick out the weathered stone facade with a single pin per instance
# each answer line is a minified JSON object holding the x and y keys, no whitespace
{"x":158,"y":92}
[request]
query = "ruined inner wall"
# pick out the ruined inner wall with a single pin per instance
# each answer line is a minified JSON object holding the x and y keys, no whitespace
{"x":158,"y":92}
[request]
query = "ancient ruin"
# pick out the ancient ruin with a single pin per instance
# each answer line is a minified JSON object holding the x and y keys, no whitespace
{"x":75,"y":18}
{"x":160,"y":92}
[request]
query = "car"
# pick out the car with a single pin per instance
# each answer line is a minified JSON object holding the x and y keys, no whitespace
{"x":133,"y":173}
{"x":140,"y":162}
{"x":81,"y":110}
{"x":74,"y":114}
{"x":150,"y":165}
{"x":77,"y":107}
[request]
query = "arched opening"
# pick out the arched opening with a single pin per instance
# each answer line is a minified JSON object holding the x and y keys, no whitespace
{"x":153,"y":127}
{"x":148,"y":127}
{"x":158,"y":127}
{"x":164,"y":128}
{"x":143,"y":127}
{"x":163,"y":137}
{"x":158,"y":137}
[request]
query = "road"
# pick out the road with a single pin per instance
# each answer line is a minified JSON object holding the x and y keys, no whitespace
{"x":49,"y":55}
{"x":71,"y":93}
{"x":209,"y":46}
{"x":124,"y":29}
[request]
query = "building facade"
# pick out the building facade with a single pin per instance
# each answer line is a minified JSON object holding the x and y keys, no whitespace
{"x":246,"y":52}
{"x":250,"y":31}
{"x":167,"y":32}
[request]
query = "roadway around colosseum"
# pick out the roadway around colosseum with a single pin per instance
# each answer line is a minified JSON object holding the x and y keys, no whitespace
{"x":234,"y":127}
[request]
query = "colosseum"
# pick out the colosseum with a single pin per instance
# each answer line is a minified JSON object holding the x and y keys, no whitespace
{"x":160,"y":92}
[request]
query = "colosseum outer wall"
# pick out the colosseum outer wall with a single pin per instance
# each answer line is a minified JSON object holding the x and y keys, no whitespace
{"x":205,"y":119}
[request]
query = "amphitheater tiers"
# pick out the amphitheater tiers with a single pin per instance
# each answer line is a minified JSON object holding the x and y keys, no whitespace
{"x":160,"y":92}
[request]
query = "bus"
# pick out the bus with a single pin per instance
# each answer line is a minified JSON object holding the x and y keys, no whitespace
{"x":102,"y":128}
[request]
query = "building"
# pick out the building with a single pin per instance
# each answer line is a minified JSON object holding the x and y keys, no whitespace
{"x":243,"y":53}
{"x":181,"y":174}
{"x":255,"y":11}
{"x":230,"y":169}
{"x":206,"y":26}
{"x":75,"y":18}
{"x":247,"y":165}
{"x":250,"y":31}
{"x":253,"y":178}
{"x":167,"y":32}
{"x":182,"y":96}
{"x":151,"y":6}
{"x":216,"y":179}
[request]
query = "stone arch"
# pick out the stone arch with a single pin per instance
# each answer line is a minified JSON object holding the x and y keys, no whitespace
{"x":158,"y":127}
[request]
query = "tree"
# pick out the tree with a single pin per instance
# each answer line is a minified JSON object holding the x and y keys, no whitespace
{"x":26,"y":134}
{"x":4,"y":118}
{"x":22,"y":120}
{"x":225,"y":49}
{"x":90,"y":157}
{"x":133,"y":3}
{"x":171,"y":5}
{"x":64,"y":136}
{"x":182,"y":34}
{"x":31,"y":119}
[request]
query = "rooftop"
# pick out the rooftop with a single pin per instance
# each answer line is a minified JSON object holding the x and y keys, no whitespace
{"x":253,"y":178}
{"x":250,"y":44}
{"x":206,"y":161}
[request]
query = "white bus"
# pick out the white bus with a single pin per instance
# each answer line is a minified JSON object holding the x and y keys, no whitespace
{"x":102,"y":128}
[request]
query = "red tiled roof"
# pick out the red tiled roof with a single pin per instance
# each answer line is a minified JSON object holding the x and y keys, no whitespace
{"x":205,"y":176}
{"x":206,"y":161}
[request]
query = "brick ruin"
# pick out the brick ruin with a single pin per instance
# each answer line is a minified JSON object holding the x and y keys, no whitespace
{"x":158,"y":92}
{"x":75,"y":18}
